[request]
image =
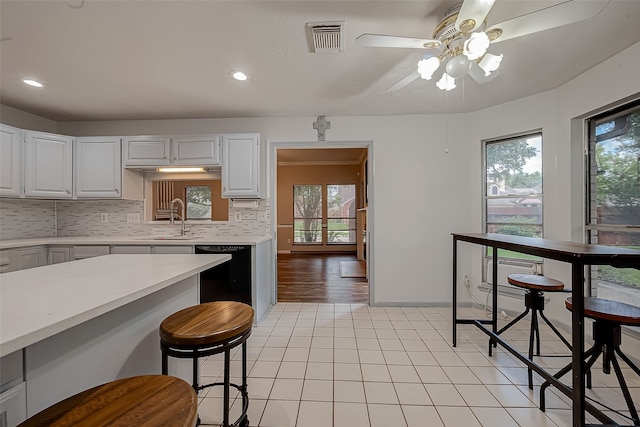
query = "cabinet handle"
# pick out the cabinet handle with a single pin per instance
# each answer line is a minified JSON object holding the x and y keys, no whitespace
{"x":118,"y":192}
{"x":68,"y":192}
{"x":175,"y":158}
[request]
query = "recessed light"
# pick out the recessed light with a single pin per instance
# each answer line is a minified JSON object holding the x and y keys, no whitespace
{"x":239,"y":75}
{"x":33,"y":83}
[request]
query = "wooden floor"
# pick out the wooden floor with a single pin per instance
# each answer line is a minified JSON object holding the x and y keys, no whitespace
{"x":305,"y":277}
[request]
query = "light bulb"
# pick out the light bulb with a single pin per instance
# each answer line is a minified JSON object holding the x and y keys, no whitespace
{"x":428,"y":66}
{"x":476,"y":45}
{"x":489,"y":63}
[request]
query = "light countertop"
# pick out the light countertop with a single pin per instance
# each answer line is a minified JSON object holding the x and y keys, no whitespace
{"x":39,"y":302}
{"x":133,"y":240}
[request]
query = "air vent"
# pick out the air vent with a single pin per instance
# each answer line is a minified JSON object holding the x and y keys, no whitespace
{"x":326,"y":37}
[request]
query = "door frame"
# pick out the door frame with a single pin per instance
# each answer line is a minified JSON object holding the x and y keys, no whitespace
{"x":272,"y":160}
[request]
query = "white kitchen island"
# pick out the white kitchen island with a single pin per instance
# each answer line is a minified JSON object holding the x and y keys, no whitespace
{"x":86,"y":322}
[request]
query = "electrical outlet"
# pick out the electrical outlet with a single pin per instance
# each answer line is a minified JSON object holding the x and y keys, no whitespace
{"x":133,"y":217}
{"x":104,"y":217}
{"x":238,"y":216}
{"x":467,"y":283}
{"x":262,"y":216}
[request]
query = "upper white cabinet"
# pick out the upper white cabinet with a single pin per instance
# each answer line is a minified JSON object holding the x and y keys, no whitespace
{"x":241,"y":166}
{"x":146,"y":150}
{"x":48,"y":165}
{"x":10,"y":161}
{"x":98,"y":170}
{"x":195,"y":150}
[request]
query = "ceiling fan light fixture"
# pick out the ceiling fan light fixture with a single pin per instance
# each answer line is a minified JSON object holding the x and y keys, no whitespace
{"x":490,"y":63}
{"x":458,"y":66}
{"x":428,"y":66}
{"x":476,"y":45}
{"x":446,"y":82}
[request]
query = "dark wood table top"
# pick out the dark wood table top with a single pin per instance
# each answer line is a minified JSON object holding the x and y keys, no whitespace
{"x":207,"y":323}
{"x":571,"y":252}
{"x":537,"y":282}
{"x":615,"y":311}
{"x":144,"y":401}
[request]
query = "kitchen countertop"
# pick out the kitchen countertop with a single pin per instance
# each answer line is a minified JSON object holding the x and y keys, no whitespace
{"x":133,"y":240}
{"x":39,"y":302}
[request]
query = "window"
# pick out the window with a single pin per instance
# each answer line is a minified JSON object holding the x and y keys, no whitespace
{"x":513,"y":188}
{"x":331,"y":207}
{"x":198,"y":198}
{"x":614,"y":197}
{"x":341,"y":214}
{"x":307,"y":214}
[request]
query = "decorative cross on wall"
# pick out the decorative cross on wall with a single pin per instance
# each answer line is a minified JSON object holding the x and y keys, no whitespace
{"x":321,"y":125}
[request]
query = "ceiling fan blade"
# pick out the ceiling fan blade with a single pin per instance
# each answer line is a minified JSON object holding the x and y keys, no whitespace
{"x":402,"y":83}
{"x":379,"y":40}
{"x":472,"y":14}
{"x":478,"y":75}
{"x":550,"y":17}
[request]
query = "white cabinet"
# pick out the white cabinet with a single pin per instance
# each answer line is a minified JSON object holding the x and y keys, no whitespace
{"x":13,"y":406}
{"x":98,"y":171}
{"x":10,"y":161}
{"x":48,"y":165}
{"x":58,"y":254}
{"x":7,"y":260}
{"x":82,"y":252}
{"x":241,"y":174}
{"x":30,"y":257}
{"x":146,"y":150}
{"x":130,"y":249}
{"x":173,"y":249}
{"x":195,"y":150}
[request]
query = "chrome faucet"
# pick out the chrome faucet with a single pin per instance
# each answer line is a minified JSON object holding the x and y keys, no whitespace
{"x":183,"y":230}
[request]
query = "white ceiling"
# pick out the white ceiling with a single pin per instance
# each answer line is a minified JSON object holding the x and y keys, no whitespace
{"x":104,"y":60}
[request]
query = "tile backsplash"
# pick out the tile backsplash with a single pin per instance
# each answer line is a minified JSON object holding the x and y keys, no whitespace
{"x":24,"y":218}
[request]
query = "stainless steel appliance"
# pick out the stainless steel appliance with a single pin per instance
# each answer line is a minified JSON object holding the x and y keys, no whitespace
{"x":230,"y":281}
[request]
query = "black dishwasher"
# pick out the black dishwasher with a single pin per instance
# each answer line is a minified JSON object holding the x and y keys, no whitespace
{"x":229,"y":281}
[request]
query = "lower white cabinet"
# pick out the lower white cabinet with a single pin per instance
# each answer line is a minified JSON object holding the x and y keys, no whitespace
{"x":30,"y":257}
{"x":130,"y":249}
{"x":7,"y":260}
{"x":81,"y":252}
{"x":173,"y":249}
{"x":13,"y":406}
{"x":58,"y":254}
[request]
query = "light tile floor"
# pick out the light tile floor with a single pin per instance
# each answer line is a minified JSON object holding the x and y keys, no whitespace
{"x":351,"y":365}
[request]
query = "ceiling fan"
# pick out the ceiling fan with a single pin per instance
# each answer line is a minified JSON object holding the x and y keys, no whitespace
{"x":461,"y":39}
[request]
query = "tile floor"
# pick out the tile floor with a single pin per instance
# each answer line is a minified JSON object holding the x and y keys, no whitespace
{"x":351,"y":365}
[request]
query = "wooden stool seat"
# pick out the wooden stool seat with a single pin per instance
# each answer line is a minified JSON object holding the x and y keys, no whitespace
{"x":204,"y":330}
{"x":207,"y":324}
{"x":534,"y":281}
{"x":615,"y":311}
{"x":608,"y":316}
{"x":150,"y":400}
{"x":536,"y":286}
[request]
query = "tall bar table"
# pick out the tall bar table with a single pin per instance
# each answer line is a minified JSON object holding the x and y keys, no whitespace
{"x":579,"y":255}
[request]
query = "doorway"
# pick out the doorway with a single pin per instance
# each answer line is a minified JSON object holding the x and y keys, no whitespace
{"x":321,"y":195}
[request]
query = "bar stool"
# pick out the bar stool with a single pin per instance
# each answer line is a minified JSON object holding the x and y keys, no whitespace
{"x":535,"y":285}
{"x":608,"y":317}
{"x":150,"y":400}
{"x":204,"y":330}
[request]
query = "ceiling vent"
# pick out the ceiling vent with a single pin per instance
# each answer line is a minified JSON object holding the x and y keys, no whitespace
{"x":326,"y":37}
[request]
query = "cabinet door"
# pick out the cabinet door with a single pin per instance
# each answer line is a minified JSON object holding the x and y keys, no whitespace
{"x":58,"y":255}
{"x":30,"y":258}
{"x":7,"y":260}
{"x":98,"y":168}
{"x":48,"y":167}
{"x":146,"y":151}
{"x":196,"y":150}
{"x":173,"y":249}
{"x":241,"y":166}
{"x":10,"y":161}
{"x":13,"y":406}
{"x":130,"y":249}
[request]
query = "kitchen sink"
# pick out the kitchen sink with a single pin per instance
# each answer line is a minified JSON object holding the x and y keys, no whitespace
{"x":178,"y":237}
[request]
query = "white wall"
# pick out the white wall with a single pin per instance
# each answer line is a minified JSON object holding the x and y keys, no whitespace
{"x":421,"y":192}
{"x":23,"y":120}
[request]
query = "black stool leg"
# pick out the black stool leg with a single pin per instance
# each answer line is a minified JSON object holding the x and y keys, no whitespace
{"x":553,"y":328}
{"x":165,"y":362}
{"x":194,"y":361}
{"x":245,"y":393}
{"x":624,"y":388}
{"x":507,"y":326}
{"x":227,"y":367}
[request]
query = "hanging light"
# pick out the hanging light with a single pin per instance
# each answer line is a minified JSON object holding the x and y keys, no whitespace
{"x":476,"y":45}
{"x":428,"y":66}
{"x":446,"y":82}
{"x":490,"y":63}
{"x":458,"y":66}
